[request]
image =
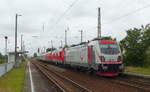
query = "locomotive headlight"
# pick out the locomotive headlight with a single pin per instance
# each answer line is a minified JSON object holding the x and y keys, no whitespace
{"x":105,"y":67}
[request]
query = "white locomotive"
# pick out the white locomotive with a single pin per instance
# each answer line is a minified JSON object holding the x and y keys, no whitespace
{"x":102,"y":56}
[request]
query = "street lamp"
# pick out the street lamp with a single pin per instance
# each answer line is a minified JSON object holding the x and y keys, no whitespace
{"x":16,"y":21}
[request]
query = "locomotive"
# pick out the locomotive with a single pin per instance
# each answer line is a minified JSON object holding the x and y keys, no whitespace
{"x":101,"y":56}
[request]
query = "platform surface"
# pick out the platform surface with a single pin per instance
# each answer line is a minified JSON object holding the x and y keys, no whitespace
{"x":38,"y":83}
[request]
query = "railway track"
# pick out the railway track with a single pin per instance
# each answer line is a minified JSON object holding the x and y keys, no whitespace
{"x":61,"y":82}
{"x":138,"y":84}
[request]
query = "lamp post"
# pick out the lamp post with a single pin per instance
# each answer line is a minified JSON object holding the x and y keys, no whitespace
{"x":16,"y":21}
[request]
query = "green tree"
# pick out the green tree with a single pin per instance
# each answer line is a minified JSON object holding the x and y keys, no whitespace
{"x":146,"y":44}
{"x":135,"y":45}
{"x":3,"y":58}
{"x":108,"y":38}
{"x":50,"y":49}
{"x":66,"y":46}
{"x":147,"y":56}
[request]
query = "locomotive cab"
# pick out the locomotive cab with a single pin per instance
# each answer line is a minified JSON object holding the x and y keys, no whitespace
{"x":108,"y":57}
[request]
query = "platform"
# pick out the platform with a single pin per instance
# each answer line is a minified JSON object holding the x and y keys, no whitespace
{"x":35,"y":81}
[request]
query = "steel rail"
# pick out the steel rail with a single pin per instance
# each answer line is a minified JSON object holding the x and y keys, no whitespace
{"x":131,"y":83}
{"x":81,"y":88}
{"x":67,"y":79}
{"x":49,"y":78}
{"x":140,"y":82}
{"x":140,"y":85}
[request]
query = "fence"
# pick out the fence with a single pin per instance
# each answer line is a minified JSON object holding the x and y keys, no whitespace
{"x":4,"y":68}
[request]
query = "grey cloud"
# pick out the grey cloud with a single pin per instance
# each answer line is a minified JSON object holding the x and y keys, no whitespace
{"x":83,"y":15}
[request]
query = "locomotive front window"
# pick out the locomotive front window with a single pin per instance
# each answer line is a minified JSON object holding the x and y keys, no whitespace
{"x":109,"y":48}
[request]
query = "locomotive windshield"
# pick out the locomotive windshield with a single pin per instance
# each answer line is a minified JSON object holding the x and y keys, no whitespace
{"x":109,"y":48}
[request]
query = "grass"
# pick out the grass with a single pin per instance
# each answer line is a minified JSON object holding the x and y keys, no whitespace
{"x":1,"y":61}
{"x":138,"y":70}
{"x":13,"y":81}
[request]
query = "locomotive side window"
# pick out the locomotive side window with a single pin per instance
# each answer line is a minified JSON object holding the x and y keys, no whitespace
{"x":109,"y":48}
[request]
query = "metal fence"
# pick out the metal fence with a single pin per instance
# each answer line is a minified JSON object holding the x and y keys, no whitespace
{"x":4,"y":68}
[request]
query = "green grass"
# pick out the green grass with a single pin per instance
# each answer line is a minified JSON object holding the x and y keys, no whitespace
{"x":1,"y":61}
{"x":13,"y":81}
{"x":138,"y":70}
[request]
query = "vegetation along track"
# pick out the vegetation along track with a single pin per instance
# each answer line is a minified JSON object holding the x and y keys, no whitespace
{"x":62,"y":83}
{"x":135,"y":83}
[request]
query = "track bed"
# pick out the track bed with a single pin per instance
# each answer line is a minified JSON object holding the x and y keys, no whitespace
{"x":97,"y":83}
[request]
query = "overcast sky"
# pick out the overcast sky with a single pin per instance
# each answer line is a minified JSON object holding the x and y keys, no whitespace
{"x":57,"y":15}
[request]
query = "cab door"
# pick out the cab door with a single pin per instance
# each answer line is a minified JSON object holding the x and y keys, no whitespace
{"x":90,"y":54}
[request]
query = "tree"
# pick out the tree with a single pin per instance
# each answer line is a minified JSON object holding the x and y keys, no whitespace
{"x":50,"y":49}
{"x":131,"y":44}
{"x":135,"y":45}
{"x":147,"y":55}
{"x":108,"y":38}
{"x":66,"y":46}
{"x":1,"y":56}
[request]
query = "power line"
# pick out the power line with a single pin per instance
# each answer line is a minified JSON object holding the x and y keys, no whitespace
{"x":125,"y":15}
{"x":70,"y":6}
